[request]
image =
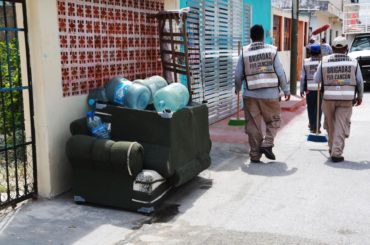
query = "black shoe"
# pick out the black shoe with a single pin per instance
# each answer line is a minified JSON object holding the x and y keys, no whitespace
{"x":268,"y":152}
{"x":337,"y":159}
{"x":255,"y":161}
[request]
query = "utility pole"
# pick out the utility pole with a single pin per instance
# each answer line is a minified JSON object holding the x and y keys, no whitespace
{"x":293,"y":47}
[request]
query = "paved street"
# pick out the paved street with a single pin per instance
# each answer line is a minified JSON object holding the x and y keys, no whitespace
{"x":302,"y":198}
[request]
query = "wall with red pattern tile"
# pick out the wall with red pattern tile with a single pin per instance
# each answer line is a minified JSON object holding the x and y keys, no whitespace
{"x":100,"y":39}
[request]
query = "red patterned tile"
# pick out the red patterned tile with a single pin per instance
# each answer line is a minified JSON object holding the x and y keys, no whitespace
{"x":64,"y":57}
{"x":75,"y":88}
{"x":65,"y":74}
{"x":72,"y":42}
{"x":89,"y":26}
{"x":63,"y":41}
{"x":62,"y":24}
{"x":97,"y":40}
{"x":83,"y":72}
{"x":96,"y":46}
{"x":91,"y":75}
{"x":80,"y":26}
{"x":82,"y":57}
{"x":111,"y":28}
{"x":80,"y":11}
{"x":61,"y":8}
{"x":97,"y":27}
{"x":89,"y":42}
{"x":84,"y":87}
{"x":71,"y":9}
{"x":74,"y":72}
{"x":88,"y":11}
{"x":98,"y":57}
{"x":71,"y":26}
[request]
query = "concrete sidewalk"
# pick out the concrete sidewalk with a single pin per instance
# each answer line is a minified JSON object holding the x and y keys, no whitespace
{"x":301,"y":198}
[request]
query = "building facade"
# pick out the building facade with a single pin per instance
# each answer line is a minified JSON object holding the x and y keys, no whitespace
{"x":282,"y":22}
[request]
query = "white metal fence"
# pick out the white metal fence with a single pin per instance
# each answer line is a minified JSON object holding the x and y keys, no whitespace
{"x":220,"y":30}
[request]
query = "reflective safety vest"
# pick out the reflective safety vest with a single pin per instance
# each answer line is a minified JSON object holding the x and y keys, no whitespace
{"x":258,"y":60}
{"x":310,"y":67}
{"x":339,"y":77}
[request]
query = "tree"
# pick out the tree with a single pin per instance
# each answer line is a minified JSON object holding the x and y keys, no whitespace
{"x":11,"y":104}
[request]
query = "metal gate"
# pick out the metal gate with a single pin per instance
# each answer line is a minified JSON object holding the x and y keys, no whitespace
{"x":220,"y":30}
{"x":18,"y":180}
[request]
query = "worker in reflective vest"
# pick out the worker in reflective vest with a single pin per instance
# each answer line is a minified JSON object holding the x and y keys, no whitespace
{"x":309,"y":86}
{"x":343,"y":87}
{"x":259,"y":67}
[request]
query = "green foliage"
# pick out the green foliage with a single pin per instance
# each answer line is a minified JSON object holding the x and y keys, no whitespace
{"x":11,"y":104}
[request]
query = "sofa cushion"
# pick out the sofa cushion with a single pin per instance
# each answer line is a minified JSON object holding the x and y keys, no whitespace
{"x":149,"y":187}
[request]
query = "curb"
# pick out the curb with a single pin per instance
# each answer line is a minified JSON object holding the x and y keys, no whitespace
{"x":294,"y":103}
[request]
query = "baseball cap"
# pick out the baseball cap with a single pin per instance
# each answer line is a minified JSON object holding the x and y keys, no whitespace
{"x":340,"y":42}
{"x":315,"y":49}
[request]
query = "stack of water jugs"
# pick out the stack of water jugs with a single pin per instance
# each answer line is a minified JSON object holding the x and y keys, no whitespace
{"x":138,"y":95}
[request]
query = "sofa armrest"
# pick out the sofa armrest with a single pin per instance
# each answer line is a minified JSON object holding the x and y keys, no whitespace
{"x":79,"y":126}
{"x":105,"y":155}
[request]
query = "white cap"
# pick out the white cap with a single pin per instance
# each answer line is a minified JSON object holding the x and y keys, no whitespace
{"x":340,"y":42}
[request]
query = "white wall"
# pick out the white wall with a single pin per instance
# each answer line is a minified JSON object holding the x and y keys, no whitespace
{"x":320,"y":19}
{"x":337,"y":3}
{"x":53,"y":113}
{"x":284,"y":57}
{"x":171,"y":4}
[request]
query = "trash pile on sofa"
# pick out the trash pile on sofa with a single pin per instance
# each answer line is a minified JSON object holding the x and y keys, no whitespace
{"x":136,"y":157}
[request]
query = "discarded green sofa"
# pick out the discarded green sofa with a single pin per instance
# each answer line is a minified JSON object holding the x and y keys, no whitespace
{"x":146,"y":157}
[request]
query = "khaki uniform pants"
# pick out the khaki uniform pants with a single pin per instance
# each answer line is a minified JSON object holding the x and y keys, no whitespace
{"x":255,"y":110}
{"x":337,"y":123}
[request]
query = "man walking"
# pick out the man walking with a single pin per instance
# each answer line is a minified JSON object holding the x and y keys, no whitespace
{"x":308,"y":46}
{"x":325,"y":48}
{"x":343,"y":87}
{"x":260,"y":68}
{"x":309,"y":87}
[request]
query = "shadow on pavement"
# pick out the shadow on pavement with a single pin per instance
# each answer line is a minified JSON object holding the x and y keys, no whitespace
{"x":228,"y":157}
{"x":362,"y":165}
{"x":271,"y":169}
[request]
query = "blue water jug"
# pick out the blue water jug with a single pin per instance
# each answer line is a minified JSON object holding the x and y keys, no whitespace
{"x":171,"y":98}
{"x":132,"y":95}
{"x":96,"y":126}
{"x":116,"y":89}
{"x":96,"y":95}
{"x":154,"y":84}
{"x":137,"y":97}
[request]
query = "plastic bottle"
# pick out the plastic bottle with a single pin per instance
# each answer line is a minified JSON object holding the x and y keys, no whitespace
{"x":97,"y":127}
{"x":132,"y":95}
{"x":154,"y":84}
{"x":171,"y":98}
{"x":96,"y":95}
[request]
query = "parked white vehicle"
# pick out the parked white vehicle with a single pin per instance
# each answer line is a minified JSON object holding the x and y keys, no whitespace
{"x":356,"y":26}
{"x":360,"y":49}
